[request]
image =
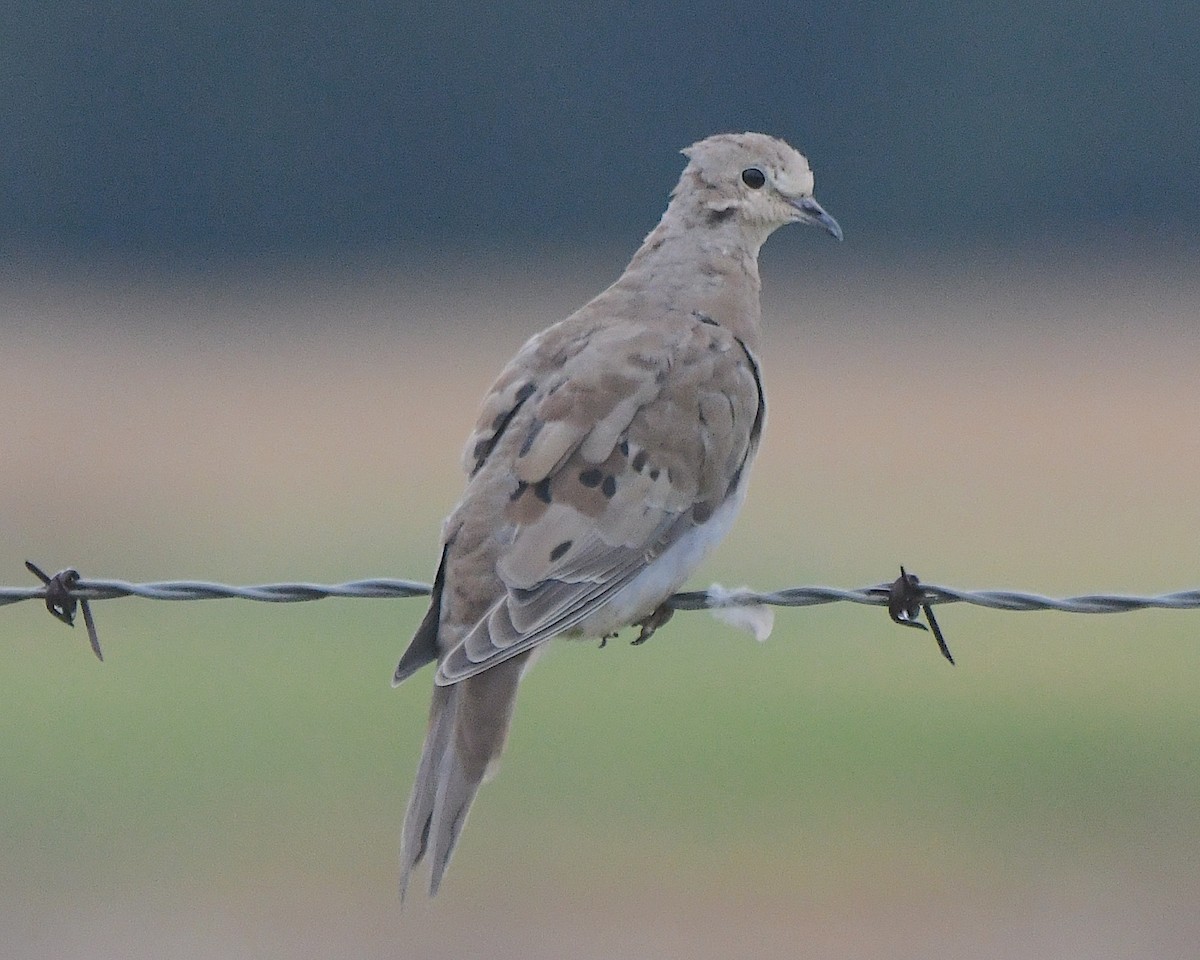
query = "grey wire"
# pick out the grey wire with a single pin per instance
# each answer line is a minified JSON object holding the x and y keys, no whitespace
{"x":379,"y":588}
{"x":996,"y":599}
{"x":202,"y":590}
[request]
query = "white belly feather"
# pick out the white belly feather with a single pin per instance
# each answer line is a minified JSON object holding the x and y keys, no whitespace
{"x":666,"y":574}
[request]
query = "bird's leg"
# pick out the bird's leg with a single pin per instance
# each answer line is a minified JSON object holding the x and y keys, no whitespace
{"x":604,"y":639}
{"x":662,"y":613}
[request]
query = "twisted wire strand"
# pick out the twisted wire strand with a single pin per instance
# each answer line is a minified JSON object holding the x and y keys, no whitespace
{"x":713,"y":598}
{"x":935,"y":594}
{"x":87,"y":589}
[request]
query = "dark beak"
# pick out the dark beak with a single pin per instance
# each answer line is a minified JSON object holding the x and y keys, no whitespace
{"x":812,"y":212}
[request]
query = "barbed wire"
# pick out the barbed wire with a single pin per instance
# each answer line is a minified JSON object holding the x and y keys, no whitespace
{"x":202,"y":590}
{"x":935,"y":594}
{"x":904,"y":597}
{"x":385,"y":588}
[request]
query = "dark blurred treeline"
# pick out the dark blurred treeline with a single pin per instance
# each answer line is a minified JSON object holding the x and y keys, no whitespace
{"x":183,"y":130}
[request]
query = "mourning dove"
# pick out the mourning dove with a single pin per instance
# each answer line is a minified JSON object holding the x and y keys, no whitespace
{"x":609,"y":457}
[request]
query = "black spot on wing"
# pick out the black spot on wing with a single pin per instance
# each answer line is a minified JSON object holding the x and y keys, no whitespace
{"x":608,"y":486}
{"x":484,"y":447}
{"x":534,"y":429}
{"x":558,"y":552}
{"x":541,"y":490}
{"x":481,"y":451}
{"x":591,"y":477}
{"x":639,"y":461}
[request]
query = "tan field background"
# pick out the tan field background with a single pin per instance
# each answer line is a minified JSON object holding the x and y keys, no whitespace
{"x":230,"y":782}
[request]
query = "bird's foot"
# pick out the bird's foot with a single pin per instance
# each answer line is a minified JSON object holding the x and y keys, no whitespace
{"x":660,"y":616}
{"x":604,"y":639}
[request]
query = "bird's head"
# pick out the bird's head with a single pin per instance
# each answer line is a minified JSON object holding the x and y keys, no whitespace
{"x":758,"y":179}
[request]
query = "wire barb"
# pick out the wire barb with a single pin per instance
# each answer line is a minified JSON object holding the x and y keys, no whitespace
{"x":906,"y":599}
{"x":61,"y":602}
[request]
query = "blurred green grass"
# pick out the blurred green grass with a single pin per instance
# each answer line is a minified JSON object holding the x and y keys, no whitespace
{"x":216,"y":739}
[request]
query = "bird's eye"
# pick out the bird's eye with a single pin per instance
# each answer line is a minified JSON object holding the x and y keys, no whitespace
{"x":753,"y":177}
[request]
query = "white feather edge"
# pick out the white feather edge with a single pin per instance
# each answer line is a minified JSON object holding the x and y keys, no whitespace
{"x":754,"y":618}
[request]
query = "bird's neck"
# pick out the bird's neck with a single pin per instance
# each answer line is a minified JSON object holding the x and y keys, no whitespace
{"x":697,"y":262}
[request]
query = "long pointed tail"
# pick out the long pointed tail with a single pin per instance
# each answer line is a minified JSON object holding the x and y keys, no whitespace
{"x":468,"y":724}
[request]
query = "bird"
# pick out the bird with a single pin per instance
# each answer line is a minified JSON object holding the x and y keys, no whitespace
{"x":608,"y":458}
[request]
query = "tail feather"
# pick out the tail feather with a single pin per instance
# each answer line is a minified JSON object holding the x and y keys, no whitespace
{"x":419,"y":815}
{"x":468,"y":724}
{"x":456,"y":791}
